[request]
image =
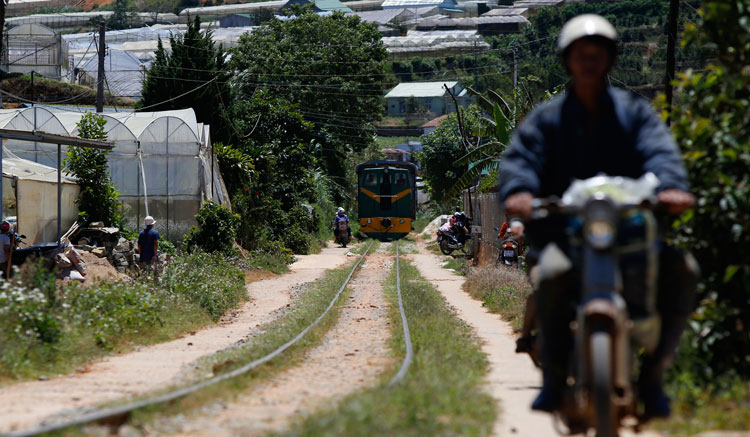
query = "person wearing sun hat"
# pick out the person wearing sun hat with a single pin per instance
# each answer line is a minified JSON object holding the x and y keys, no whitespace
{"x":148,"y":242}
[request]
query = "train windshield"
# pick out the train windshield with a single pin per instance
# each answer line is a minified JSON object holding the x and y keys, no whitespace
{"x":386,"y":183}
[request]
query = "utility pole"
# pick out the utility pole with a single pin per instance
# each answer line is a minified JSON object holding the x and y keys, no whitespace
{"x":476,"y":66}
{"x":674,"y":11}
{"x":3,"y":43}
{"x":515,"y":68}
{"x":33,"y":93}
{"x":100,"y":72}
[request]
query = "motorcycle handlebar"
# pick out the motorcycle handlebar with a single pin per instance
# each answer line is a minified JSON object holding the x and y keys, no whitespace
{"x":544,"y":207}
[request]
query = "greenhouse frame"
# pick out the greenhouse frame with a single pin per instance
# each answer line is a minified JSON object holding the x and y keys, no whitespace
{"x":162,"y":163}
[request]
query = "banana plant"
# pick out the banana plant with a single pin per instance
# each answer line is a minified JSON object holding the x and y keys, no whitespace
{"x":494,"y":132}
{"x":493,"y":136}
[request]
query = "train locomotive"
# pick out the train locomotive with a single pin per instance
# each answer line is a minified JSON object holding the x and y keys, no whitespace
{"x":387,"y":198}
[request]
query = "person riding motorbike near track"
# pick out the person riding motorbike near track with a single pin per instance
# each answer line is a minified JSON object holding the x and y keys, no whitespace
{"x":460,"y":224}
{"x":341,"y":216}
{"x":592,"y":129}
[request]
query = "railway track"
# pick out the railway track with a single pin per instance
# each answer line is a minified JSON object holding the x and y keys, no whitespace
{"x":111,"y":414}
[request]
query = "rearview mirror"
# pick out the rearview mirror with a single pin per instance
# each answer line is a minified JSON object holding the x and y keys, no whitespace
{"x":496,"y":228}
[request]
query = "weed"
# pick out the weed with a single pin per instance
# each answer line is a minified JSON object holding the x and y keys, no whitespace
{"x":502,"y":290}
{"x":442,"y":392}
{"x":307,"y":308}
{"x":44,"y":329}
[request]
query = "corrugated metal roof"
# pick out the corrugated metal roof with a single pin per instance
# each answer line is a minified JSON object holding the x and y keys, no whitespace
{"x":500,"y":12}
{"x":411,"y":3}
{"x":420,"y":89}
{"x":380,"y":17}
{"x":494,"y":20}
{"x":435,"y":122}
{"x":534,"y":4}
{"x":331,"y":5}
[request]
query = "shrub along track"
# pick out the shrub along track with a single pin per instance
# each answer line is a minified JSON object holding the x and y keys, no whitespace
{"x":156,"y":367}
{"x":350,"y":356}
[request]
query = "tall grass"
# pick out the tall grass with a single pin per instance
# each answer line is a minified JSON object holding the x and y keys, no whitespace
{"x":501,"y":289}
{"x":46,"y":329}
{"x":442,"y":392}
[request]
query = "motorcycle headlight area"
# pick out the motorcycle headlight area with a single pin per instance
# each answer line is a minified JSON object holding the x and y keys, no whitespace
{"x":600,"y":225}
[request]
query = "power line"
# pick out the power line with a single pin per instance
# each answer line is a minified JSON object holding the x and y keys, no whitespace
{"x":177,"y":97}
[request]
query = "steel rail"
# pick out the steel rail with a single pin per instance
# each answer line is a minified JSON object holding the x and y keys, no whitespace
{"x":122,"y":410}
{"x":407,"y":336}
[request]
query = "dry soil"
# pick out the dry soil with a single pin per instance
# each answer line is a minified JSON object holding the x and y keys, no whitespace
{"x":26,"y":404}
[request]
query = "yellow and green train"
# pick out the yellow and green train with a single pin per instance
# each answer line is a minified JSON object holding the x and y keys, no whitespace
{"x":387,"y":198}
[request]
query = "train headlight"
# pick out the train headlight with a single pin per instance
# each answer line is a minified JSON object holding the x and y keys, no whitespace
{"x":401,"y":221}
{"x":369,"y":221}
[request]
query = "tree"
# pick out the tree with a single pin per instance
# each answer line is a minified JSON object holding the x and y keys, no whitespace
{"x":156,"y":7}
{"x":122,"y":17}
{"x":97,"y":200}
{"x":330,"y":67}
{"x":441,"y":157}
{"x":712,"y":125}
{"x":194,"y":75}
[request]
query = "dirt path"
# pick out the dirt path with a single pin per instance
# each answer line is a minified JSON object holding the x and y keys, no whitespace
{"x":153,"y":367}
{"x":351,"y":356}
{"x":512,"y":379}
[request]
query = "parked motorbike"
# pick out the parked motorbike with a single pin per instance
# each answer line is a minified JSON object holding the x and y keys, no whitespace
{"x":613,"y":239}
{"x":343,"y":237}
{"x":448,"y":243}
{"x":510,"y":251}
{"x":22,"y":254}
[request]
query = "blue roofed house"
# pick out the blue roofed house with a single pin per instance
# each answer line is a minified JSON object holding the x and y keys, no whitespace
{"x":320,"y":5}
{"x":430,"y":95}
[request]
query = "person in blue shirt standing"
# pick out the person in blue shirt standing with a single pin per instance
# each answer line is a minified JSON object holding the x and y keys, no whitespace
{"x":148,"y":242}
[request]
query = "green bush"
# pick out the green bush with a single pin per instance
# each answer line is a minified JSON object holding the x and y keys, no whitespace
{"x":47,"y":329}
{"x":166,"y":246}
{"x":712,"y":125}
{"x":216,"y":229}
{"x":207,"y":280}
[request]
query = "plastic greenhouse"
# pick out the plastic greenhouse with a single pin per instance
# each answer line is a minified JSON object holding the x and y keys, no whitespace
{"x":32,"y":47}
{"x":161,"y":163}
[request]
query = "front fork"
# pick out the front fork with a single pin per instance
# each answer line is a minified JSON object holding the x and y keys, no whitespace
{"x":602,"y":308}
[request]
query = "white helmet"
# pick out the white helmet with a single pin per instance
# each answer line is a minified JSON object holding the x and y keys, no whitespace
{"x":149,"y":220}
{"x":583,"y":26}
{"x":340,"y":210}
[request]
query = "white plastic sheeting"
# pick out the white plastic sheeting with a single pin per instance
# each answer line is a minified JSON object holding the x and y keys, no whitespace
{"x":435,"y":41}
{"x":30,"y":194}
{"x":174,"y":148}
{"x":123,"y":72}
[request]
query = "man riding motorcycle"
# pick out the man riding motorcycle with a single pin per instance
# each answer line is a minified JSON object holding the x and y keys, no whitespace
{"x":589,"y":130}
{"x":341,"y":216}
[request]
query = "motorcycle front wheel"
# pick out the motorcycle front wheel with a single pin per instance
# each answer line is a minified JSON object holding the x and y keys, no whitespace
{"x":602,"y":384}
{"x":444,"y":248}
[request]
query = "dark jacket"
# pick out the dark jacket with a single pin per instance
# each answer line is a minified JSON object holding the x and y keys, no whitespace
{"x":551,"y":147}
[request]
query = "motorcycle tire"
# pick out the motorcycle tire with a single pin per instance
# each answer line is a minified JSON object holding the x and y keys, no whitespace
{"x":602,"y":384}
{"x":443,"y":248}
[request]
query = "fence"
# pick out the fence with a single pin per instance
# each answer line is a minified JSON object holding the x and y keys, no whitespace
{"x":486,"y":212}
